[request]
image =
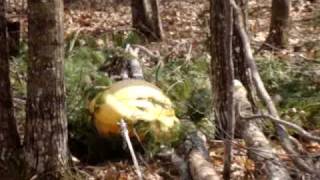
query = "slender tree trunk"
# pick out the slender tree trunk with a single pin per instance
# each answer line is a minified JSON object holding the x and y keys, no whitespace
{"x":146,"y":18}
{"x":46,"y":125}
{"x":9,"y":139}
{"x":221,"y":68}
{"x":223,"y":74}
{"x":279,"y":25}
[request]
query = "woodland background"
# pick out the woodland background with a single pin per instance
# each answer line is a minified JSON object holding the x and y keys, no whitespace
{"x":179,"y":66}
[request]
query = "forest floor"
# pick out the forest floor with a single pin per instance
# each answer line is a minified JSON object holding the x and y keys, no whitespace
{"x":185,"y":24}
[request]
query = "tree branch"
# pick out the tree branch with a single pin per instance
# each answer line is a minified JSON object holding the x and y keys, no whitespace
{"x":300,"y":130}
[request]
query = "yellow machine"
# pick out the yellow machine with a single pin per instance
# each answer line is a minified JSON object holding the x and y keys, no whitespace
{"x":138,"y":103}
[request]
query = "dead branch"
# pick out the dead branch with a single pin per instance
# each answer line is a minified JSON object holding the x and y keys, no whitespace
{"x":300,"y":130}
{"x":262,"y":92}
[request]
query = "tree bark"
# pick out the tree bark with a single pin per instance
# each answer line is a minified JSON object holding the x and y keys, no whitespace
{"x":279,"y":25}
{"x":146,"y":18}
{"x":9,"y":138}
{"x":46,"y":125}
{"x":222,"y":65}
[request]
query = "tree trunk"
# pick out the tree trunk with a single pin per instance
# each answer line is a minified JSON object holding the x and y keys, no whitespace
{"x":9,"y":139}
{"x":279,"y":26}
{"x":146,"y":18}
{"x":220,"y":75}
{"x":222,"y":70}
{"x":46,"y":125}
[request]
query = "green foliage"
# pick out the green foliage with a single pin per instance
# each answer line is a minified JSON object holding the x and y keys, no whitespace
{"x":182,"y":81}
{"x":295,"y":83}
{"x":18,"y":70}
{"x":188,"y":86}
{"x":154,"y":143}
{"x":83,"y":82}
{"x":81,"y":76}
{"x":185,"y":82}
{"x":81,"y":67}
{"x":274,"y":73}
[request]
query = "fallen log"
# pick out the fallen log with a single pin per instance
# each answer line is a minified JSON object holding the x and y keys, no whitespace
{"x":200,"y":168}
{"x":191,"y":158}
{"x":259,"y":148}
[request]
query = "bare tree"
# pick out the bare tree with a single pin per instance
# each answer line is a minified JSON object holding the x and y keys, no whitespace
{"x":46,"y":124}
{"x":146,"y":18}
{"x":9,"y":139}
{"x":279,"y":25}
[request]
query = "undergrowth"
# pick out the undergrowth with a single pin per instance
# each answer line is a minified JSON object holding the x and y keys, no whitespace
{"x":294,"y":86}
{"x":185,"y":82}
